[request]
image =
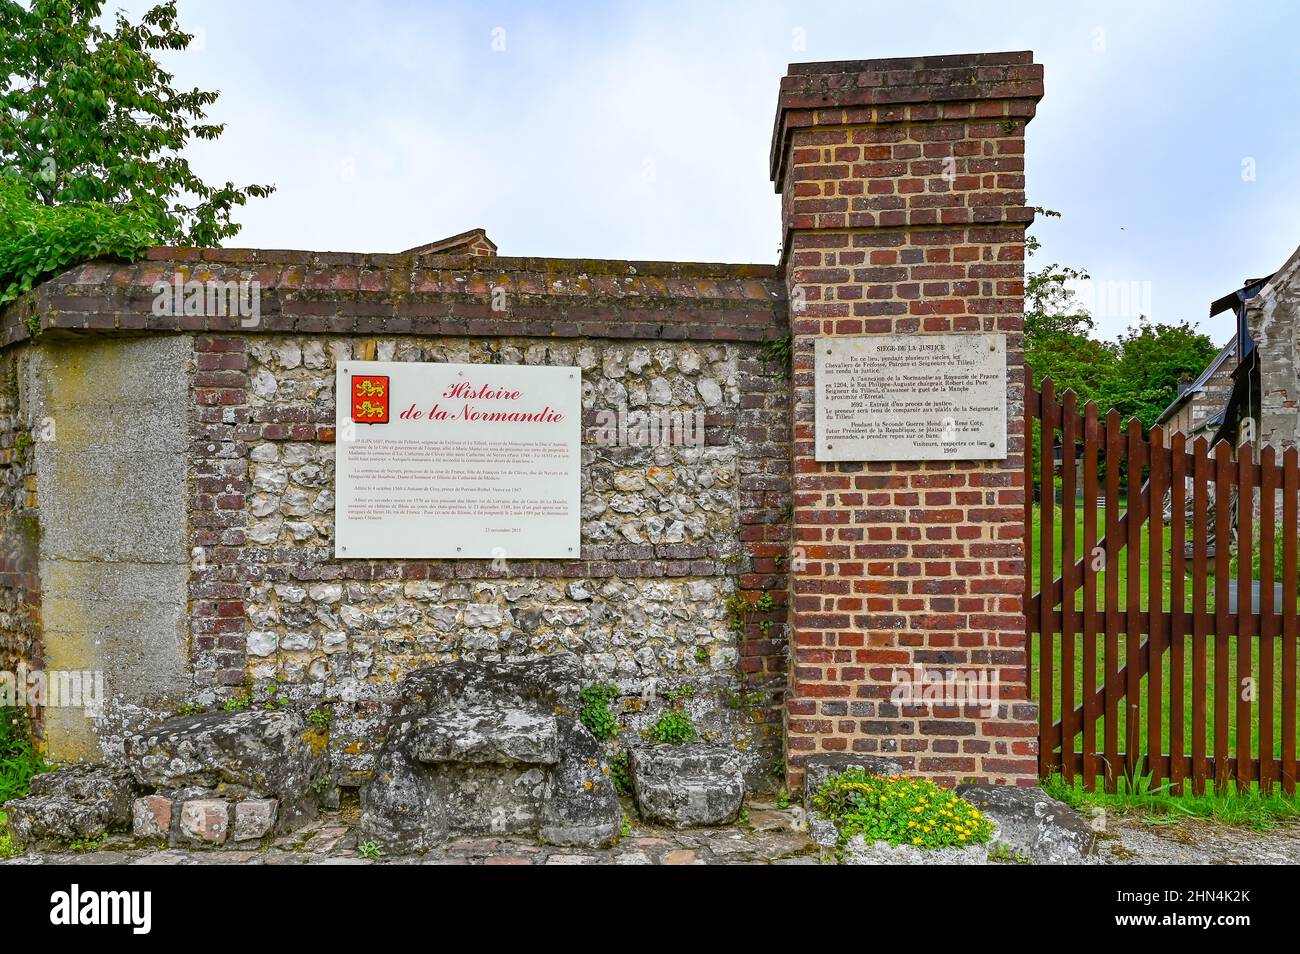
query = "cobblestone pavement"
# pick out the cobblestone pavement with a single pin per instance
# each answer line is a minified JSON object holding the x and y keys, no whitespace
{"x":769,"y":837}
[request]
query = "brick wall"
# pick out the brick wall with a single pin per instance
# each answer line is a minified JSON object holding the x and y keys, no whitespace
{"x":903,"y":209}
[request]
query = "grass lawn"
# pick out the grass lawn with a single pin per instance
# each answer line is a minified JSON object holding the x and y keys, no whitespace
{"x":1251,"y":809}
{"x":1186,"y":677}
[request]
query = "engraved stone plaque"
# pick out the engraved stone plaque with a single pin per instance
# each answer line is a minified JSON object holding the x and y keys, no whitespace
{"x":911,"y":397}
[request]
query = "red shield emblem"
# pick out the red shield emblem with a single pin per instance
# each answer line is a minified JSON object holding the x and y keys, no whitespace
{"x":370,"y":398}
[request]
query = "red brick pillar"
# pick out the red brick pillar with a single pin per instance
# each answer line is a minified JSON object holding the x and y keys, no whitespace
{"x":903,"y":207}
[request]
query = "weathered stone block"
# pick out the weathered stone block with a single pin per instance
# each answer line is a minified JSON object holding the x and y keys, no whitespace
{"x":82,"y":801}
{"x":492,"y":747}
{"x":254,"y":818}
{"x":687,"y":785}
{"x":254,"y":753}
{"x":151,"y":817}
{"x":110,"y":789}
{"x":818,"y":768}
{"x":52,"y":819}
{"x":1033,"y":825}
{"x":205,"y":820}
{"x":499,"y":733}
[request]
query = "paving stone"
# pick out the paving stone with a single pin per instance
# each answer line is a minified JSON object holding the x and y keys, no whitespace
{"x":771,"y":820}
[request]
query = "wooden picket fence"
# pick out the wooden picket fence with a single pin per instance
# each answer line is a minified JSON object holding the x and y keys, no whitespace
{"x":1153,"y":661}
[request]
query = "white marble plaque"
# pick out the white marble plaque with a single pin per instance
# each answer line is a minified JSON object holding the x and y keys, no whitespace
{"x":457,"y":460}
{"x":912,"y":397}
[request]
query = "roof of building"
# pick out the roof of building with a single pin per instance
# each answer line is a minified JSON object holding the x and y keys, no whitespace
{"x":1198,"y":386}
{"x":460,"y":244}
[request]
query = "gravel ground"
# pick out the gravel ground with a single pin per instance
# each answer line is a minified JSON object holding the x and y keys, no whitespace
{"x":1132,"y":840}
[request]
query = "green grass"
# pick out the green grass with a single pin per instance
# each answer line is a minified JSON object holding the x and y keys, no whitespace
{"x":18,"y":760}
{"x":18,"y":763}
{"x":8,"y":846}
{"x":1247,"y":809}
{"x":1186,"y":677}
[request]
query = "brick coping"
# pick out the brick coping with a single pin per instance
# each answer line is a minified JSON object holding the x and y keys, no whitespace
{"x":310,"y":292}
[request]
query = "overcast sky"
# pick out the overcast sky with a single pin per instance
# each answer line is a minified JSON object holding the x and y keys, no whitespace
{"x":1169,"y":137}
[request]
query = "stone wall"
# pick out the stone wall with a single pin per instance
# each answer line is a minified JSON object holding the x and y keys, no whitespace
{"x":679,"y":587}
{"x":1274,"y":319}
{"x":20,"y":594}
{"x":661,"y":556}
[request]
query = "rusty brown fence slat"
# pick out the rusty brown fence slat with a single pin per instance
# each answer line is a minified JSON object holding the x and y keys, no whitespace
{"x":1069,"y":618}
{"x":1133,"y":598}
{"x":1048,"y":756}
{"x":1177,"y":606}
{"x":1114,"y":459}
{"x":1268,"y":481}
{"x":1290,"y":622}
{"x":1223,"y":473}
{"x":1091,"y":711}
{"x":1155,"y":496}
{"x":1186,"y":700}
{"x":1243,"y":685}
{"x":1200,"y":612}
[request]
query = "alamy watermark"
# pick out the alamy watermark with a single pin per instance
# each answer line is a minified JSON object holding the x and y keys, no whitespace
{"x":53,"y":689}
{"x":623,"y":428}
{"x":946,"y":688}
{"x":210,"y":299}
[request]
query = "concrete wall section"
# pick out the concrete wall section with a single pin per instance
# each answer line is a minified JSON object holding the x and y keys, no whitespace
{"x":113,"y":563}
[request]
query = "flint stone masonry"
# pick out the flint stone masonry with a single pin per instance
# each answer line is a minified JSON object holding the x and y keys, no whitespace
{"x":669,"y":533}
